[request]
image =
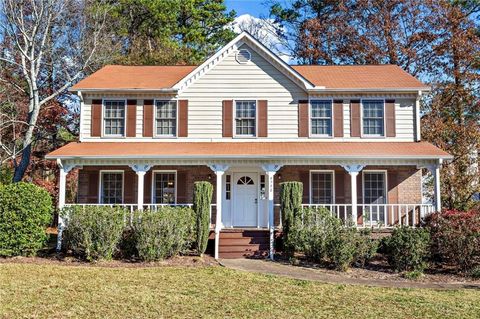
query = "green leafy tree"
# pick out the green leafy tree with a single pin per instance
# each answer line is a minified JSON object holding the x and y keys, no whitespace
{"x":169,"y":31}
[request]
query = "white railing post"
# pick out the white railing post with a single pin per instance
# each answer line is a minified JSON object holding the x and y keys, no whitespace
{"x":141,"y":170}
{"x":353,"y":170}
{"x":271,"y":170}
{"x":219,"y":171}
{"x":62,"y":188}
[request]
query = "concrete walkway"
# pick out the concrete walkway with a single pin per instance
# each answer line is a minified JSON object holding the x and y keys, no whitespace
{"x":303,"y":273}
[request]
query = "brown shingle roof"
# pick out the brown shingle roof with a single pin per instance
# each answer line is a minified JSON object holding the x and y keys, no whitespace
{"x":134,"y":77}
{"x":358,"y":76}
{"x":249,"y":150}
{"x":119,"y":77}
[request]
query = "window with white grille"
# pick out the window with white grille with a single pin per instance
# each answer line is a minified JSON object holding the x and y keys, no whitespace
{"x":112,"y":187}
{"x":245,"y":118}
{"x":166,"y":118}
{"x":373,"y":117}
{"x":321,"y":187}
{"x":321,"y":118}
{"x":164,"y":187}
{"x":114,"y":118}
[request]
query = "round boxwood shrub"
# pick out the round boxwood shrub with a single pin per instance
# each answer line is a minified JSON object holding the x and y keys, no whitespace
{"x":25,"y":212}
{"x":408,"y":248}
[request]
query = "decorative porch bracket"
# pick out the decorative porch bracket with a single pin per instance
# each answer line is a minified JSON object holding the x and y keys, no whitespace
{"x":435,"y":170}
{"x":64,"y":170}
{"x":141,"y":170}
{"x":353,"y":170}
{"x":219,"y":170}
{"x":271,"y":170}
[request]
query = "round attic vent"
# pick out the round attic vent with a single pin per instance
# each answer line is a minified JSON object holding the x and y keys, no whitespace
{"x":243,"y":56}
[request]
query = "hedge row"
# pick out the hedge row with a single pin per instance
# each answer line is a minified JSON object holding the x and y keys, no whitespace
{"x":100,"y":232}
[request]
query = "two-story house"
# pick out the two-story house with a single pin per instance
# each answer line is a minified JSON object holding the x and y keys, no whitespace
{"x":247,"y":121}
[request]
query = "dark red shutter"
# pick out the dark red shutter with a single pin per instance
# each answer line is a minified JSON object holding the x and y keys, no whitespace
{"x":303,"y":118}
{"x":262,"y":118}
{"x":96,"y":118}
{"x":338,"y":118}
{"x":129,"y":185}
{"x":148,"y":118}
{"x":183,"y":118}
{"x":390,"y":118}
{"x":147,"y":188}
{"x":355,"y":118}
{"x":305,"y":179}
{"x":93,"y":187}
{"x":181,"y":187}
{"x":340,"y":187}
{"x":227,"y":115}
{"x":131,"y":118}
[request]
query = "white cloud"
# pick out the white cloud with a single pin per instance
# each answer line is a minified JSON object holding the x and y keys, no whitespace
{"x":263,"y":30}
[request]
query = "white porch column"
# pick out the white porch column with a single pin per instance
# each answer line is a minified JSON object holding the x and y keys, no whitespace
{"x":271,"y":170}
{"x":435,"y":169}
{"x":219,"y":172}
{"x":353,"y":170}
{"x":64,"y":169}
{"x":141,"y":170}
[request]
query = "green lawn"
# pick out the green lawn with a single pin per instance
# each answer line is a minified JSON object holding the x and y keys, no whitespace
{"x":56,"y":291}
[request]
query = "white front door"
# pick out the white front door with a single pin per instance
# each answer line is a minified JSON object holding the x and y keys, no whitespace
{"x":245,"y":198}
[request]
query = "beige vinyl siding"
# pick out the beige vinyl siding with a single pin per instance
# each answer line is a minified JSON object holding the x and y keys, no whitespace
{"x":86,"y":118}
{"x":405,"y":118}
{"x":255,"y":80}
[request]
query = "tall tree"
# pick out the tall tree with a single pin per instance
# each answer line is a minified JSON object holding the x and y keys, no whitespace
{"x":169,"y":31}
{"x":46,"y":46}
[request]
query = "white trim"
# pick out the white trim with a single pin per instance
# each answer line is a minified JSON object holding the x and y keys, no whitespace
{"x":320,"y":136}
{"x":362,"y":135}
{"x":222,"y":53}
{"x":331,"y":171}
{"x":161,"y":171}
{"x":385,"y":172}
{"x":100,"y":184}
{"x":103,"y":119}
{"x":234,"y":122}
{"x":159,"y":136}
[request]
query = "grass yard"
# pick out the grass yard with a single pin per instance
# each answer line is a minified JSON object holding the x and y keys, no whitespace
{"x":57,"y":291}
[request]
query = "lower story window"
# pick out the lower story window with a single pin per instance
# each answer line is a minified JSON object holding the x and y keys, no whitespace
{"x":321,"y":187}
{"x":164,"y":187}
{"x":112,"y":187}
{"x":374,"y":192}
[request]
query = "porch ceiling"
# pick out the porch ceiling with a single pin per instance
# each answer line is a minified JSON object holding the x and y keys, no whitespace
{"x":249,"y":150}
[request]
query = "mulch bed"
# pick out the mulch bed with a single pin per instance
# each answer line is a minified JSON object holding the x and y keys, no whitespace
{"x":378,"y":268}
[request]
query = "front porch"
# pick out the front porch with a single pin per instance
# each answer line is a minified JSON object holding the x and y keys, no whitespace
{"x":246,"y":196}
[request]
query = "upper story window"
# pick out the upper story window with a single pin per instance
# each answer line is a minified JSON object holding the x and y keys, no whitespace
{"x":321,"y":118}
{"x":166,"y":118}
{"x":114,"y":118}
{"x":373,"y":117}
{"x":245,"y":118}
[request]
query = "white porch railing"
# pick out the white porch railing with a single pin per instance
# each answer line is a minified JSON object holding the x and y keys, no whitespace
{"x":377,"y":215}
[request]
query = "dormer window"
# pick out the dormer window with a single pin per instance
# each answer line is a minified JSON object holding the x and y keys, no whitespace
{"x":245,"y":118}
{"x":166,"y":118}
{"x":321,"y":118}
{"x":114,"y":118}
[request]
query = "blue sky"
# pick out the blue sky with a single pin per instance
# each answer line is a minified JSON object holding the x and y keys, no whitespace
{"x":252,"y":7}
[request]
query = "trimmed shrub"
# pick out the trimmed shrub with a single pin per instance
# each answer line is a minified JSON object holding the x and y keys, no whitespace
{"x":202,"y":199}
{"x":408,"y":248}
{"x":290,"y":205}
{"x":93,"y":232}
{"x":456,"y":237}
{"x":25,"y":212}
{"x":163,"y":233}
{"x":323,"y":238}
